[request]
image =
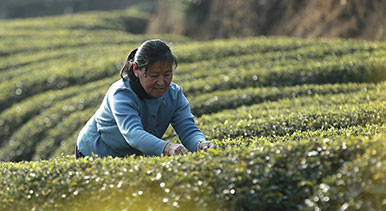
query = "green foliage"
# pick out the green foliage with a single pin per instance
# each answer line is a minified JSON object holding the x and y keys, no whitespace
{"x":264,"y":123}
{"x":219,"y":100}
{"x":58,"y":52}
{"x":20,"y":148}
{"x":14,"y":117}
{"x":358,"y":185}
{"x":261,"y":176}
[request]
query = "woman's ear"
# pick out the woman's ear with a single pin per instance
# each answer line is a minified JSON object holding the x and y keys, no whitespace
{"x":135,"y":70}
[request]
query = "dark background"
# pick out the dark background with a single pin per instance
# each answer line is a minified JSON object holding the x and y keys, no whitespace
{"x":213,"y":19}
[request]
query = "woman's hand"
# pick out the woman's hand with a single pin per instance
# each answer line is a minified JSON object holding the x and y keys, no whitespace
{"x":205,"y":145}
{"x":174,"y":149}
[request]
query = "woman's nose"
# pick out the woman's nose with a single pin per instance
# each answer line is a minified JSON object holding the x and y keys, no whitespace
{"x":160,"y":82}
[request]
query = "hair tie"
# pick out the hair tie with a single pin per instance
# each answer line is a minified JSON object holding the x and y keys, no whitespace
{"x":132,"y":54}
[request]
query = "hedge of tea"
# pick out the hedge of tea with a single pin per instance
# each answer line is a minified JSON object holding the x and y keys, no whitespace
{"x":358,"y":185}
{"x":299,"y":64}
{"x":264,"y":119}
{"x":70,"y":50}
{"x":230,"y":99}
{"x":261,"y":176}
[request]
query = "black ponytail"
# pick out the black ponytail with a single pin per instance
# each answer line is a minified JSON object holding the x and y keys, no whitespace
{"x":128,"y":66}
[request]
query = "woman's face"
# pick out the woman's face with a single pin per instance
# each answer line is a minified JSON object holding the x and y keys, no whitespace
{"x":157,"y":79}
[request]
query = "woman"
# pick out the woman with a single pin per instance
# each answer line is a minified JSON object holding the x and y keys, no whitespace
{"x":138,"y":109}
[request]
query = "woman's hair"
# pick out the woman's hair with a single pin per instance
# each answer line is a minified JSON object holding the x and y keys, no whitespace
{"x":148,"y":53}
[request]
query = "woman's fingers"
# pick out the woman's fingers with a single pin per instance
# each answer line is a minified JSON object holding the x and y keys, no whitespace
{"x":175,"y":149}
{"x":205,"y":145}
{"x":211,"y":145}
{"x":181,"y":150}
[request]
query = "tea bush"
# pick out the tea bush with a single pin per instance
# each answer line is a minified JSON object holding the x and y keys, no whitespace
{"x":14,"y":117}
{"x":261,"y":176}
{"x":230,"y":99}
{"x":358,"y":185}
{"x":19,"y":148}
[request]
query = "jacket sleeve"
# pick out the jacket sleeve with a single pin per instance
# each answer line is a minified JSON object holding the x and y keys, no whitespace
{"x":125,"y":110}
{"x":184,"y":125}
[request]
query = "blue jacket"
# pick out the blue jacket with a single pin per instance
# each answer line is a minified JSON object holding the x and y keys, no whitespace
{"x":125,"y":125}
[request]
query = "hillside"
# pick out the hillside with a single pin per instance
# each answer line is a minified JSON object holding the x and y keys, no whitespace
{"x":298,"y":124}
{"x":211,"y":19}
{"x":307,"y":19}
{"x":10,"y":9}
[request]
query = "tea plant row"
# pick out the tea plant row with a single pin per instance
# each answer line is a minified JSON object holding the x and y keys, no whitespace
{"x":32,"y":77}
{"x":289,"y":175}
{"x":320,"y":107}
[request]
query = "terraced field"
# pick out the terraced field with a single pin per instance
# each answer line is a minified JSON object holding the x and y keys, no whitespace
{"x":298,"y":124}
